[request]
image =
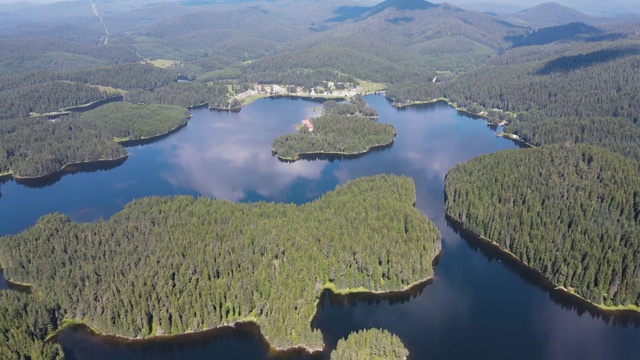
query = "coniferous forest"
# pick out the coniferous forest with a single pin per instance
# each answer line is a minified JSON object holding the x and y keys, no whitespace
{"x":125,"y":121}
{"x":571,"y":212}
{"x":587,"y":93}
{"x":25,"y":322}
{"x":566,"y":82}
{"x":371,"y":344}
{"x":334,"y":134}
{"x":36,"y":147}
{"x":173,"y":265}
{"x":344,"y":128}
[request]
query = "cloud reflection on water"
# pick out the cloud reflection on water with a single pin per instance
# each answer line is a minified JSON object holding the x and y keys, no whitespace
{"x":231,"y":157}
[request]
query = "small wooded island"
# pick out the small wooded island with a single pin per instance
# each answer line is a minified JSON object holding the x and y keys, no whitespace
{"x":372,"y":344}
{"x":572,"y":212}
{"x":165,"y":266}
{"x":343,"y":129}
{"x":37,"y":147}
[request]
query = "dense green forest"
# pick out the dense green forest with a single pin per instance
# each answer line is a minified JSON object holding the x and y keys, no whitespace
{"x":133,"y":76}
{"x":372,"y":344}
{"x":168,"y":266}
{"x":35,"y":147}
{"x":25,"y":322}
{"x":581,"y":93}
{"x":398,"y":45}
{"x":343,"y":128}
{"x":172,"y":265}
{"x":334,"y":134}
{"x":615,"y":133}
{"x":49,"y":91}
{"x":186,"y":94}
{"x":63,"y":48}
{"x":124,"y":121}
{"x":570,"y":211}
{"x":46,"y":98}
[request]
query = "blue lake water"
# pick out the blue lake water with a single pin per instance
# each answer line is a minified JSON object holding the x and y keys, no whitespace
{"x":476,"y":307}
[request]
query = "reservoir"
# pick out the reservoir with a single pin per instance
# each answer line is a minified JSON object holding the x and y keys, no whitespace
{"x":476,"y":306}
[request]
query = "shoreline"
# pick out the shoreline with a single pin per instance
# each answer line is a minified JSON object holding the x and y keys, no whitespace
{"x":148,"y":139}
{"x":631,"y":311}
{"x":66,"y":166}
{"x":517,"y":139}
{"x":229,"y":109}
{"x":333,"y":290}
{"x":330,"y":288}
{"x":454,"y":105}
{"x":125,"y":143}
{"x":92,"y":105}
{"x":323,"y":153}
{"x":251,"y":99}
{"x":249,"y":325}
{"x":26,"y":288}
{"x":291,"y":95}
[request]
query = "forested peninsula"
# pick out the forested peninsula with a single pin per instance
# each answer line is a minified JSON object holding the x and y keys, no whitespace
{"x":37,"y":147}
{"x":372,"y":344}
{"x":124,"y":121}
{"x":343,"y":129}
{"x":176,"y":265}
{"x":572,"y":212}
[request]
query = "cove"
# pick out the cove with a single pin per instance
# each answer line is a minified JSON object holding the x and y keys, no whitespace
{"x":475,"y":307}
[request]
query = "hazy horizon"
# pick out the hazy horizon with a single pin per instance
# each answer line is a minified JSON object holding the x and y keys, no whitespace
{"x":611,"y":7}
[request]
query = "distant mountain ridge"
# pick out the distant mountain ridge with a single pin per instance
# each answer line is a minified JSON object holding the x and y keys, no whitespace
{"x":548,"y":14}
{"x":363,"y":12}
{"x":547,"y":35}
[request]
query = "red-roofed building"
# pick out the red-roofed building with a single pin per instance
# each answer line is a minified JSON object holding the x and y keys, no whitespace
{"x":307,"y":123}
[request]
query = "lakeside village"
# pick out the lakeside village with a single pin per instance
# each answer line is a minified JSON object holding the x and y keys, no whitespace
{"x":329,"y":89}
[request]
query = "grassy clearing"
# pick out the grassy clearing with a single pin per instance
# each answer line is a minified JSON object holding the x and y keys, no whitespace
{"x":163,"y":63}
{"x":369,"y":87}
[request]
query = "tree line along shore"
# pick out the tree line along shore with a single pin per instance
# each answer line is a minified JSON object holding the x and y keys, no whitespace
{"x":572,"y":212}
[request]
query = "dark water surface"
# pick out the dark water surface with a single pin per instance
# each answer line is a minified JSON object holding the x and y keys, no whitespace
{"x":3,"y":283}
{"x":475,"y":308}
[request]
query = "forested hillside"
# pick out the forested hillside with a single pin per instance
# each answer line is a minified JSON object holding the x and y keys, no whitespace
{"x":398,"y":45}
{"x":586,"y":88}
{"x":615,"y":133}
{"x":49,"y":91}
{"x":553,"y":76}
{"x":47,"y":98}
{"x":571,"y":212}
{"x":373,"y":344}
{"x":186,"y":94}
{"x":172,"y":265}
{"x":238,"y":34}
